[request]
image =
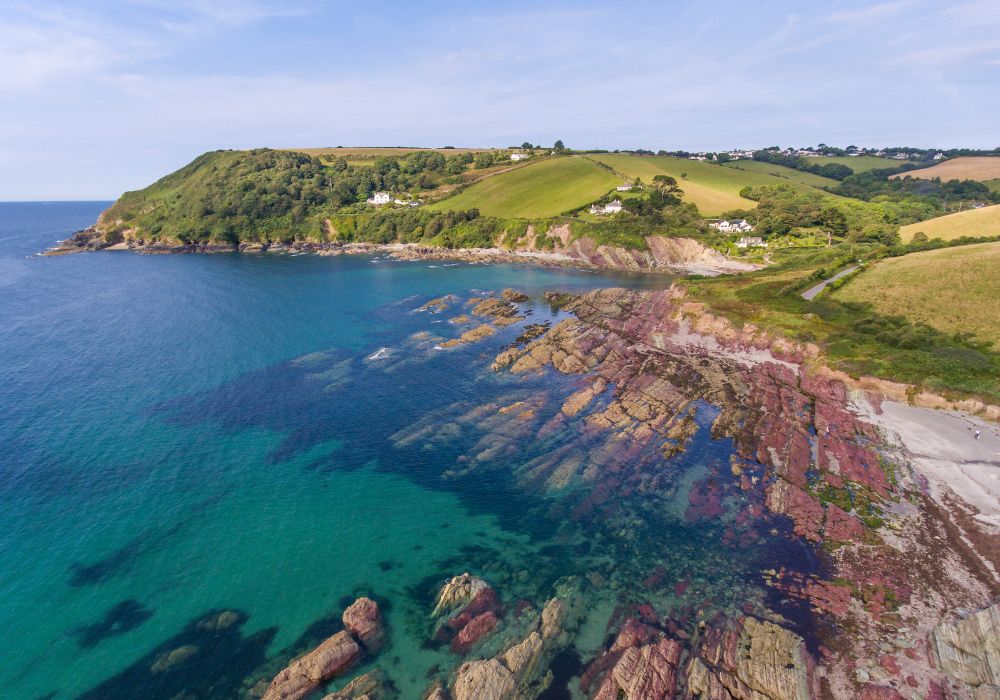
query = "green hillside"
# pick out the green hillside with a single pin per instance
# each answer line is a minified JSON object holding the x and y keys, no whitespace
{"x":713,"y":188}
{"x":859,"y":164}
{"x":546,"y":188}
{"x":790,"y":174}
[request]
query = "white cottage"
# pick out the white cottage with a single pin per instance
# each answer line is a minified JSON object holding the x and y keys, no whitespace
{"x":380,"y":198}
{"x":609,"y":208}
{"x":519,"y":156}
{"x":751,"y":242}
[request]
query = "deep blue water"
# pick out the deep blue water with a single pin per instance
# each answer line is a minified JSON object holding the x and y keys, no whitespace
{"x":183,"y":434}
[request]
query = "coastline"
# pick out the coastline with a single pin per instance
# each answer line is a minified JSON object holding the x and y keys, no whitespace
{"x":684,"y":256}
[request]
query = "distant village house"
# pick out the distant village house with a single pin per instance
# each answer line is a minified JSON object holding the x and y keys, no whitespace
{"x":628,"y":187}
{"x":519,"y":156}
{"x":380,"y":198}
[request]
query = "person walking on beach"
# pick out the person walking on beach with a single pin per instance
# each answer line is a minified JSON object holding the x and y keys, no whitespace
{"x":977,"y":434}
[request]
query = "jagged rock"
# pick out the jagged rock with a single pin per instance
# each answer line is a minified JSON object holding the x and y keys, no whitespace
{"x":485,"y":679}
{"x":364,"y":620}
{"x":757,"y":660}
{"x":304,"y":675}
{"x":370,"y":686}
{"x":522,"y":658}
{"x":648,"y":672}
{"x":457,"y":592}
{"x":969,"y":650}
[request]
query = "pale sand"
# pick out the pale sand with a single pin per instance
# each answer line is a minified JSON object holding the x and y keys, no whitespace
{"x":941,"y":445}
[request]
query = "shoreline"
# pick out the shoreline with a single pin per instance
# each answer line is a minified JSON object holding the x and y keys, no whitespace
{"x":589,"y":257}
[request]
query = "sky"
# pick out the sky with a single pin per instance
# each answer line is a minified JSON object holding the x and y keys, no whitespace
{"x":97,"y":98}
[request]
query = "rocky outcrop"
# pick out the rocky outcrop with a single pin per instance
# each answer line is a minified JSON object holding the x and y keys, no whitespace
{"x":756,"y":660}
{"x":969,"y":651}
{"x":333,"y":657}
{"x":642,"y":664}
{"x":471,"y":336}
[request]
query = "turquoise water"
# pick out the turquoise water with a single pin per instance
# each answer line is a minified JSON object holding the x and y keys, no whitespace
{"x":189,"y":434}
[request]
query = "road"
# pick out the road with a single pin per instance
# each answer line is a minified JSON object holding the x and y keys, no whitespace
{"x":811,"y":293}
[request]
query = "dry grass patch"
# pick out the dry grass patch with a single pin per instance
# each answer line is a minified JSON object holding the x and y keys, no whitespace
{"x":956,"y":290}
{"x":966,"y":168}
{"x":974,"y":222}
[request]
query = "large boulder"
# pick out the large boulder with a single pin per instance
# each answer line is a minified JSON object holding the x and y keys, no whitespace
{"x":457,"y":592}
{"x":330,"y":659}
{"x":364,"y":620}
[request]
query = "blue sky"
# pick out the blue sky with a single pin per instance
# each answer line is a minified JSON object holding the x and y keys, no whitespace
{"x":100,"y":97}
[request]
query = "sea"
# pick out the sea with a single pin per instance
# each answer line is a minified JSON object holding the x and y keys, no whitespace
{"x":262,"y":438}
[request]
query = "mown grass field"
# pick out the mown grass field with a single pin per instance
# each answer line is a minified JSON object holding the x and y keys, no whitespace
{"x":994,"y":185}
{"x":973,"y":222}
{"x":952,"y":289}
{"x":713,"y":188}
{"x":967,"y":168}
{"x":545,"y":188}
{"x":791,"y":174}
{"x":859,"y":164}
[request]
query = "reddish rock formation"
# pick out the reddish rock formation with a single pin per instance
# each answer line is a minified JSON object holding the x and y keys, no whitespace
{"x":331,"y":658}
{"x":477,"y":628}
{"x":363,"y":620}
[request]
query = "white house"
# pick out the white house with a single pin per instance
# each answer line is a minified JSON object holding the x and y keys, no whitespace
{"x":938,"y":156}
{"x":741,"y":226}
{"x":379,"y":198}
{"x":609,"y":208}
{"x":751,"y":242}
{"x":408,"y":202}
{"x":519,"y":156}
{"x":628,"y":187}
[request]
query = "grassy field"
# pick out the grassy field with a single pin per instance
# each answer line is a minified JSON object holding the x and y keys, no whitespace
{"x":545,"y":188}
{"x":994,"y":185}
{"x":796,"y":176}
{"x":859,"y":164}
{"x":973,"y":222}
{"x":713,"y":188}
{"x":952,"y":289}
{"x":969,"y":168}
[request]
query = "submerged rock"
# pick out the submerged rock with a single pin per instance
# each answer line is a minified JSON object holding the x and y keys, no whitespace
{"x":370,"y":686}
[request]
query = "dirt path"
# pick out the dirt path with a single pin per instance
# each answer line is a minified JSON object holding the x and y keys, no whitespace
{"x":813,"y":292}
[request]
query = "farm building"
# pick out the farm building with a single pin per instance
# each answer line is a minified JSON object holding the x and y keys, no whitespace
{"x":628,"y":187}
{"x":519,"y":156}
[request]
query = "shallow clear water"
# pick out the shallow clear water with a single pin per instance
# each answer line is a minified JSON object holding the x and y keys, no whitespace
{"x":186,"y":434}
